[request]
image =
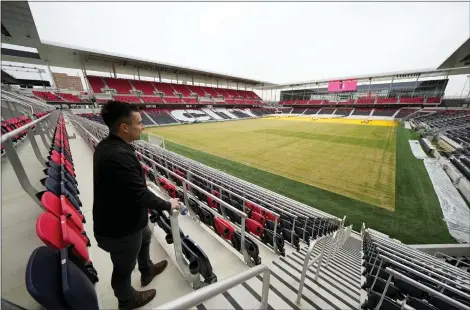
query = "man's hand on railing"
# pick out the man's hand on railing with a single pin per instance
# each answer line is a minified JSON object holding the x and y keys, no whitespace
{"x":175,"y":204}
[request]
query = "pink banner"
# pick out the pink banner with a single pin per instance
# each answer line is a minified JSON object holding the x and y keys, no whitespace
{"x":339,"y":86}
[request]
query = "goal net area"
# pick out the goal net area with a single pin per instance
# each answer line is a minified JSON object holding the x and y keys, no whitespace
{"x":156,"y":140}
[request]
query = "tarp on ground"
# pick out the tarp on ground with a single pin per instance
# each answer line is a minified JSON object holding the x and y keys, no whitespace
{"x":417,"y":149}
{"x":407,"y":125}
{"x":455,"y":210}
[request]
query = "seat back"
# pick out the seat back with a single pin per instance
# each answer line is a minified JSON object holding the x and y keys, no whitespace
{"x":223,"y":228}
{"x":254,"y":227}
{"x":258,"y":217}
{"x":51,"y":203}
{"x":71,"y":237}
{"x":49,"y":231}
{"x":77,"y":289}
{"x":193,"y":252}
{"x":43,"y":278}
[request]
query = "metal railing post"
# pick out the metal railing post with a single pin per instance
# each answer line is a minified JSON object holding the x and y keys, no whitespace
{"x":317,"y":273}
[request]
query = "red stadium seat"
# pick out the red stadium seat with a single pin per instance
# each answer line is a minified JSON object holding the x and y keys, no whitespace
{"x":121,"y":86}
{"x":253,"y":207}
{"x":145,"y":87}
{"x":96,"y":83}
{"x":258,"y":217}
{"x":254,"y":227}
{"x":69,"y":97}
{"x":211,"y":202}
{"x":62,"y":206}
{"x":48,"y":96}
{"x":224,"y":228}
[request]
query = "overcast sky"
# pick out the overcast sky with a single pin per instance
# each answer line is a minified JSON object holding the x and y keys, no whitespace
{"x":275,"y":42}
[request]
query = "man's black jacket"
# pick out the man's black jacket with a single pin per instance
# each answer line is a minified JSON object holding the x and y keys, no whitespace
{"x":121,"y":197}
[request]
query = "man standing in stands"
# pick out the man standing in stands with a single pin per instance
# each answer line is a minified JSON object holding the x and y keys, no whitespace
{"x":121,"y":203}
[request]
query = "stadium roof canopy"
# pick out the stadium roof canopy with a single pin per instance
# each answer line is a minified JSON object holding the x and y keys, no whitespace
{"x":460,"y":58}
{"x":18,"y":28}
{"x":424,"y":73}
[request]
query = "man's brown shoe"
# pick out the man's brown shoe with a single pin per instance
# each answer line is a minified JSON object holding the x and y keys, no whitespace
{"x":140,"y":299}
{"x":156,"y":270}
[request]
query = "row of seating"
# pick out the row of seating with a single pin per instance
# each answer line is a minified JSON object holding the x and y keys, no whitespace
{"x":365,"y":100}
{"x":260,"y":222}
{"x":198,"y":262}
{"x":207,"y":216}
{"x":61,"y":275}
{"x":381,"y":252}
{"x":440,"y":117}
{"x":126,"y":87}
{"x":139,"y":99}
{"x":57,"y":97}
{"x":347,"y":111}
{"x":14,"y":123}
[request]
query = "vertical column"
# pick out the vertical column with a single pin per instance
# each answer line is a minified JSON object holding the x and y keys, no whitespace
{"x":159,"y":76}
{"x":416,"y":84}
{"x":468,"y":93}
{"x":390,"y":89}
{"x":87,"y":83}
{"x":50,"y":73}
{"x":138,"y":73}
{"x":114,"y":71}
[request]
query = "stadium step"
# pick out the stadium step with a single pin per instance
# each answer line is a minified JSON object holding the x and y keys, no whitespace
{"x":338,"y":285}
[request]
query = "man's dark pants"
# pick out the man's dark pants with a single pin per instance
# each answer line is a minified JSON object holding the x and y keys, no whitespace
{"x":124,"y":252}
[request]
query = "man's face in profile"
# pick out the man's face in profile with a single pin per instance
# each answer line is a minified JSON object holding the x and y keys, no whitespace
{"x":134,"y":128}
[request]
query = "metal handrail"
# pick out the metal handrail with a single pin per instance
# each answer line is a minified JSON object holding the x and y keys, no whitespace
{"x":397,"y":275}
{"x":448,"y":256}
{"x":414,"y":254}
{"x":416,"y":263}
{"x":8,"y":99}
{"x":19,"y":130}
{"x":308,"y":263}
{"x":14,"y":159}
{"x":25,"y":98}
{"x":339,"y":239}
{"x":363,"y":229}
{"x":428,"y":278}
{"x":197,"y":297}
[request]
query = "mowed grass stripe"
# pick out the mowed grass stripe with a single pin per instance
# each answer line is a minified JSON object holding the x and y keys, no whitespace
{"x":417,"y":218}
{"x":366,"y":174}
{"x":363,"y":142}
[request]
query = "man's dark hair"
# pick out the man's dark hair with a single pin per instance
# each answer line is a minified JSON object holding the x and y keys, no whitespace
{"x":115,"y":113}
